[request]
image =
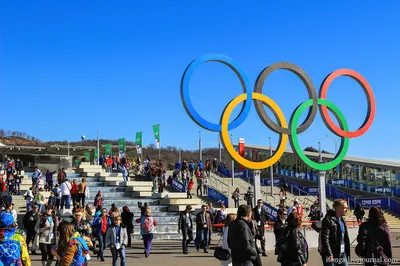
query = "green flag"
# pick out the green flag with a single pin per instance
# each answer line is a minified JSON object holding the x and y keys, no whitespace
{"x":156,"y":130}
{"x":108,"y":149}
{"x":121,"y":147}
{"x":121,"y":144}
{"x":138,"y":142}
{"x":87,"y":155}
{"x":96,"y":153}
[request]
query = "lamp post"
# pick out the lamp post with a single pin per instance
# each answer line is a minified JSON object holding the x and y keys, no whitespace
{"x":233,"y":168}
{"x":98,"y":148}
{"x":271,"y":174}
{"x":335,"y":141}
{"x":200,"y":148}
{"x":321,"y":179}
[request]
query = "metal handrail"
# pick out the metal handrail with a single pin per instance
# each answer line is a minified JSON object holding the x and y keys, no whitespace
{"x":307,"y":194}
{"x":222,"y":184}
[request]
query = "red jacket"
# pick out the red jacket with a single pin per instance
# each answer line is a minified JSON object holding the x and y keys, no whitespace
{"x":190,"y":185}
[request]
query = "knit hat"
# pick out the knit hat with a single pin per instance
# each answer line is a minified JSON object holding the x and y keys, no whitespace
{"x":6,"y":219}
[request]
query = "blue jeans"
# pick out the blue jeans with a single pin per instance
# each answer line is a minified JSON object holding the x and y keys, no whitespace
{"x":202,"y":236}
{"x":65,"y":199}
{"x":118,"y":252}
{"x":102,"y":245}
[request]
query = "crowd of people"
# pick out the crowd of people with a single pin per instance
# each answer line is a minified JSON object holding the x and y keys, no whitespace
{"x":92,"y":228}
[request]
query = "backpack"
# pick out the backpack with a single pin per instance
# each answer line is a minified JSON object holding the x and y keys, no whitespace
{"x":361,"y":248}
{"x":11,"y":253}
{"x":56,"y":192}
{"x":147,"y":224}
{"x":80,"y":258}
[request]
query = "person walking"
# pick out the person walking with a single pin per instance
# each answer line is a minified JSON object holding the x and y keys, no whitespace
{"x":335,"y":243}
{"x":82,"y":187}
{"x":147,"y":225}
{"x":229,"y":219}
{"x":280,"y":223}
{"x":189,"y":188}
{"x":117,"y":239}
{"x":29,"y":221}
{"x":185,"y":225}
{"x":12,"y":243}
{"x":260,"y":215}
{"x":236,"y":196}
{"x":203,"y":227}
{"x":375,"y":233}
{"x":127,"y":220}
{"x":241,"y":240}
{"x":66,"y":194}
{"x":72,"y":248}
{"x":292,"y":247}
{"x":46,"y":227}
{"x":101,"y":224}
{"x":359,"y":213}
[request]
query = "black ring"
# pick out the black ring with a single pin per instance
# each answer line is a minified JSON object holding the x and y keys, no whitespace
{"x":312,"y":112}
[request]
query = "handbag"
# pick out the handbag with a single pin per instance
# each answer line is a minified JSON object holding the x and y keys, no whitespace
{"x":361,"y":248}
{"x":35,"y":244}
{"x":220,"y":253}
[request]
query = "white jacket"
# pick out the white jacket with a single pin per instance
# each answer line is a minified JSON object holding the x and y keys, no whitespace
{"x":225,"y":246}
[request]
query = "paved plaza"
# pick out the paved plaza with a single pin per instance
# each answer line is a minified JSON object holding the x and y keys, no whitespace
{"x":168,"y":253}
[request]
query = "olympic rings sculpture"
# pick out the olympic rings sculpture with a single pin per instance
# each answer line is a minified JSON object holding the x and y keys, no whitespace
{"x":285,"y":130}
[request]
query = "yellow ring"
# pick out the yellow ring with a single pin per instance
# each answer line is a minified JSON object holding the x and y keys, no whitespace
{"x":227,"y":142}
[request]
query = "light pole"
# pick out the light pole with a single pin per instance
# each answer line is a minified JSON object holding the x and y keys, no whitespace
{"x":321,"y":180}
{"x":271,"y":174}
{"x":219,"y":147}
{"x":335,"y":141}
{"x":200,"y":148}
{"x":98,"y":148}
{"x":233,"y":168}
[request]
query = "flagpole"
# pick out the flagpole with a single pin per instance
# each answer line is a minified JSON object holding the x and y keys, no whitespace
{"x":159,"y":143}
{"x":98,"y":148}
{"x":141,"y":149}
{"x":200,"y":148}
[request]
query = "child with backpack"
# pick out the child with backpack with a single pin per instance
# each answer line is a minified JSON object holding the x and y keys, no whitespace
{"x":147,"y":224}
{"x":72,"y":248}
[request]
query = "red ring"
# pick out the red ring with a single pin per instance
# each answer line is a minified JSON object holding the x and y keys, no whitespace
{"x":368,"y":92}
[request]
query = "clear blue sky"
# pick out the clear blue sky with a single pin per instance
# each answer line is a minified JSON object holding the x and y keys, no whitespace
{"x":70,"y":67}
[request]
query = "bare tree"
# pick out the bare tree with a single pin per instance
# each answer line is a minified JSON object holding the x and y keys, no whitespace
{"x":13,"y":133}
{"x":8,"y":133}
{"x":2,"y":133}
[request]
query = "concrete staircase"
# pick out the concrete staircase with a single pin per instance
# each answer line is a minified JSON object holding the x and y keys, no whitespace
{"x":165,"y":206}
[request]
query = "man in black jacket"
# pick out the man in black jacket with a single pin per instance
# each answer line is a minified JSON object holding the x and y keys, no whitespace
{"x":185,"y":225}
{"x":280,"y":223}
{"x":335,"y":243}
{"x":30,"y":219}
{"x":241,"y":240}
{"x":260,"y":215}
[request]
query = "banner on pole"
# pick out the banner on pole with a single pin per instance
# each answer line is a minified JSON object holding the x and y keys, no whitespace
{"x":121,"y":147}
{"x":138,"y":142}
{"x":87,"y":155}
{"x":241,"y":151}
{"x":96,"y":153}
{"x":156,"y":130}
{"x":108,"y":149}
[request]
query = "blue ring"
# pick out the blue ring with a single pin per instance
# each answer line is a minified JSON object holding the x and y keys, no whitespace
{"x":187,"y":103}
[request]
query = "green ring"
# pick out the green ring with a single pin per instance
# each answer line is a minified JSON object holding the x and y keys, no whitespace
{"x":295,"y":142}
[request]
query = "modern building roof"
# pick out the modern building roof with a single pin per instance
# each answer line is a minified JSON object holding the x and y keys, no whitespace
{"x":348,"y":159}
